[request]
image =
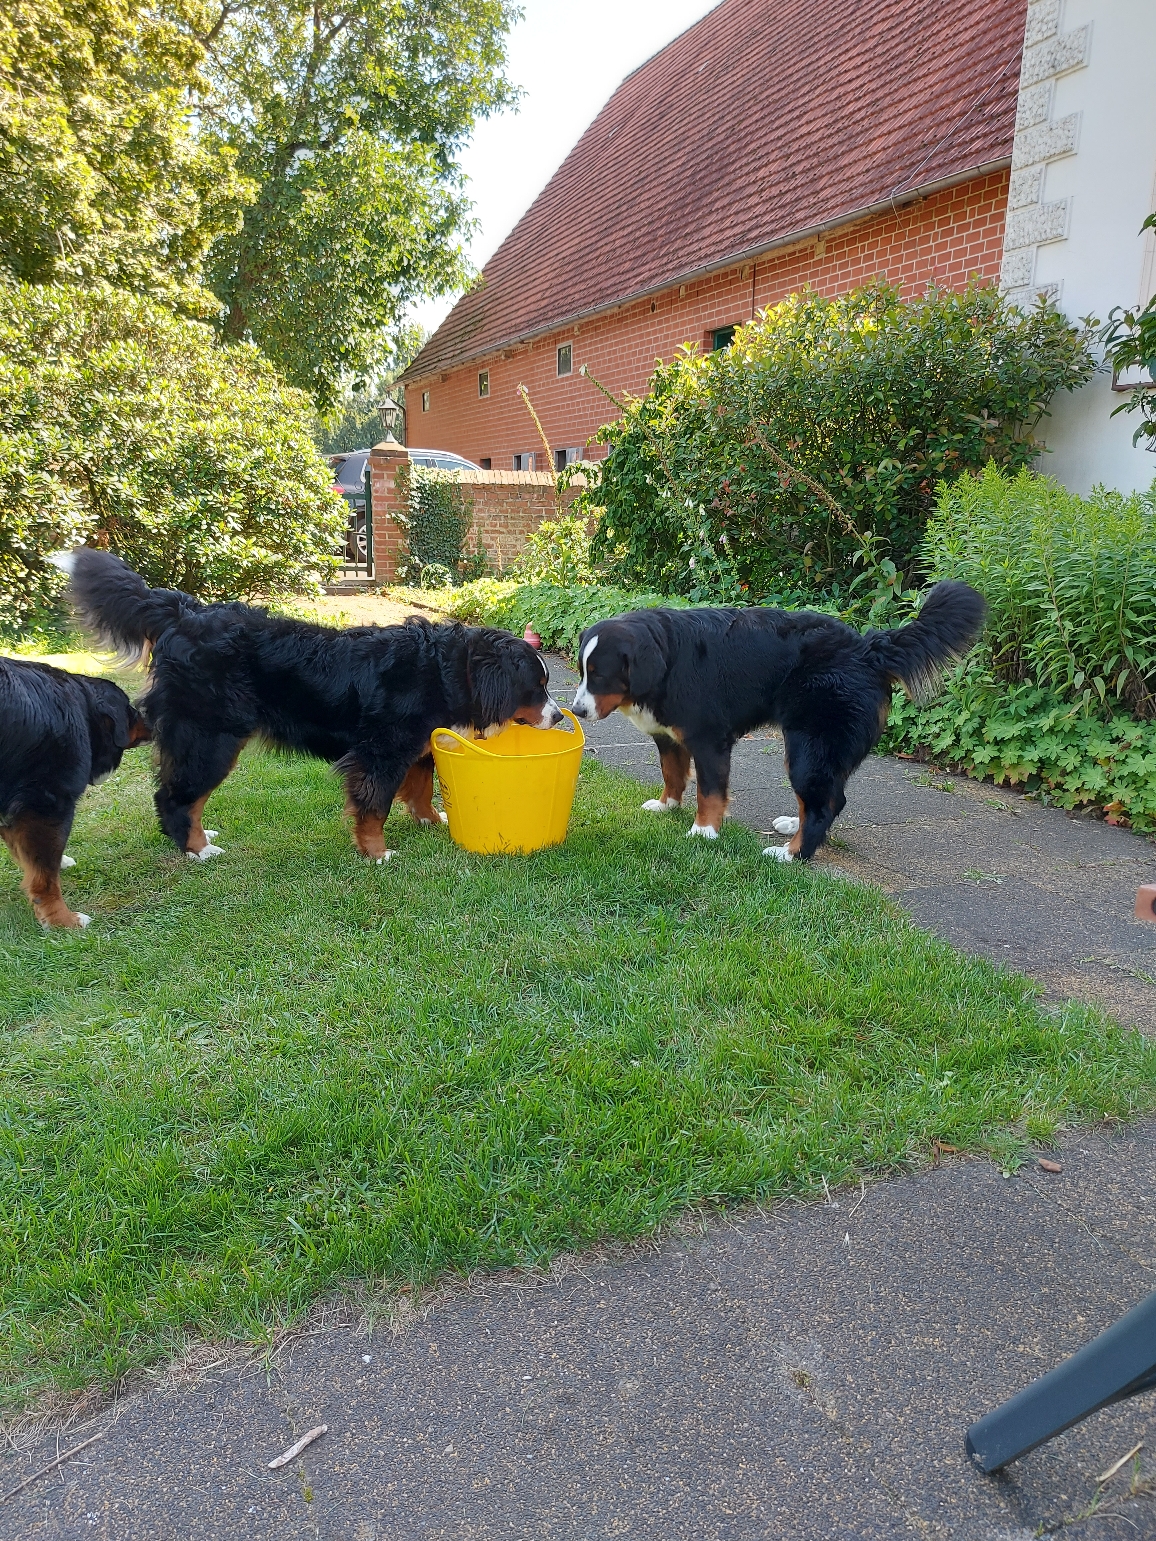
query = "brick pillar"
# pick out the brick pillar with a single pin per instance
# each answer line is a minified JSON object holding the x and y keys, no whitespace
{"x":388,"y":499}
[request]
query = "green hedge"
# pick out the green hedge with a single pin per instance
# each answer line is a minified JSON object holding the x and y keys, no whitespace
{"x":762,"y":466}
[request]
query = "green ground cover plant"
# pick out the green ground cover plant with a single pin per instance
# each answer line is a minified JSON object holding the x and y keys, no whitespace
{"x":288,"y":1072}
{"x":819,"y":437}
{"x":1033,"y":738}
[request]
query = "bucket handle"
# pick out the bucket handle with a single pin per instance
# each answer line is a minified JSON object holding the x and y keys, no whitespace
{"x":479,"y":747}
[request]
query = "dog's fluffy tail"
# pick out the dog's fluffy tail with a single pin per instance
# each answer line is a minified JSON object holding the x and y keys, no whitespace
{"x":115,"y":604}
{"x":945,"y":629}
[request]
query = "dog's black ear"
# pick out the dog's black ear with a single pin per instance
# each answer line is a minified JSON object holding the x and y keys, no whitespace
{"x":490,"y":673}
{"x":112,"y":715}
{"x":645,"y":668}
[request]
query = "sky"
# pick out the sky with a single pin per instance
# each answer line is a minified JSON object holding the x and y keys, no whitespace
{"x":568,"y":56}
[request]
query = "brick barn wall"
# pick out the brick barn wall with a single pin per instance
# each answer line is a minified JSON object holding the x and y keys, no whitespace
{"x":508,"y":507}
{"x":944,"y":239}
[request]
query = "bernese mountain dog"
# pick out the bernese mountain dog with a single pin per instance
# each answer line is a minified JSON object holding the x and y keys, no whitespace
{"x":61,"y":732}
{"x":366,"y":699}
{"x":697,"y":680}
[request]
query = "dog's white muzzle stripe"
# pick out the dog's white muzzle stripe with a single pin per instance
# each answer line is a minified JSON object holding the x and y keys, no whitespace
{"x":584,"y":705}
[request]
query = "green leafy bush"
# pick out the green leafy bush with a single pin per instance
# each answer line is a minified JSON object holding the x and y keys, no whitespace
{"x":558,"y":552}
{"x":126,"y":426}
{"x":1030,"y":737}
{"x":1071,"y":582}
{"x":1131,"y":344}
{"x":559,"y":614}
{"x":765,"y":465}
{"x":438,"y":519}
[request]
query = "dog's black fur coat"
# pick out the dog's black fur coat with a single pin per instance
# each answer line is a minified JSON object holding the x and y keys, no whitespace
{"x":366,"y":699}
{"x":708,"y":676}
{"x":59,"y":732}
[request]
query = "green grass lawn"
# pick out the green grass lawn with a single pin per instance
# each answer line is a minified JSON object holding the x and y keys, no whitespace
{"x":287,"y":1071}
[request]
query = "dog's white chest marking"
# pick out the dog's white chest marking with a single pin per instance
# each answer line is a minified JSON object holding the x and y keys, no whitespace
{"x":644,"y":720}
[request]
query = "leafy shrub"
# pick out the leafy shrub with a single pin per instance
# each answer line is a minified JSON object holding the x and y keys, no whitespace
{"x":559,"y":614}
{"x":1131,"y":344}
{"x":438,"y":519}
{"x":1029,"y":736}
{"x":558,"y":552}
{"x":765,"y":465}
{"x":126,"y":426}
{"x":1071,"y":582}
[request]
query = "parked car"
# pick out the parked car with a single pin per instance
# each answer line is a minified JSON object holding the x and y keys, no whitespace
{"x":349,"y":480}
{"x":441,"y":460}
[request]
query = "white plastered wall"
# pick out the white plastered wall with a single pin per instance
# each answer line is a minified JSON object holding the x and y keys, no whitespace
{"x":1083,"y":180}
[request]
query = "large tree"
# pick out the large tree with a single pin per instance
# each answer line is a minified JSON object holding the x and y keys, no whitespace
{"x":348,"y":117}
{"x":102,"y":176}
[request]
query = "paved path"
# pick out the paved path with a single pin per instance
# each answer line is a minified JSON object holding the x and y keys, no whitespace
{"x":997,"y":874}
{"x":804,"y":1373}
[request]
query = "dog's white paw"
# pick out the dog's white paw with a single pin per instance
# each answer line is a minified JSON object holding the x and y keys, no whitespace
{"x":205,"y":852}
{"x":211,"y":834}
{"x":381,"y":860}
{"x":786,"y":825}
{"x":704,"y":830}
{"x":85,"y":920}
{"x":67,"y":861}
{"x":779,"y":853}
{"x":660,"y":804}
{"x":444,"y":817}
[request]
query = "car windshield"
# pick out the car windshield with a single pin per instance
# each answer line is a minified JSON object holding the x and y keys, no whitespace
{"x":441,"y":460}
{"x":351,"y":471}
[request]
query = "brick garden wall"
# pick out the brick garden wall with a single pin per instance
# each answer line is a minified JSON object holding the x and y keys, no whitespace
{"x":508,"y":507}
{"x":944,"y":239}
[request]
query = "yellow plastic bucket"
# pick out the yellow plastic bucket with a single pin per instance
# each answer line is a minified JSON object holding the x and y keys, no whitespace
{"x":512,"y":792}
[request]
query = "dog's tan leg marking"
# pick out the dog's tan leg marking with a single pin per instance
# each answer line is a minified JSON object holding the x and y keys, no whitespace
{"x":197,"y":840}
{"x":40,"y":883}
{"x":675,"y":758}
{"x":795,"y":843}
{"x":711,"y":811}
{"x":369,"y":835}
{"x":416,"y":792}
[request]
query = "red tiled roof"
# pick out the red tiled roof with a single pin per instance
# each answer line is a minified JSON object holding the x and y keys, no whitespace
{"x":766,"y":119}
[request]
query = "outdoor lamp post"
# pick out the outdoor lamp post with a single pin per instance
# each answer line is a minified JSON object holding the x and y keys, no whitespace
{"x":389,"y":411}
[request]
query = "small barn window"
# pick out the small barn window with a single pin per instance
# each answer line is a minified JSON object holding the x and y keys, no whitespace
{"x":721,"y":338}
{"x":523,"y":462}
{"x":425,"y":401}
{"x":566,"y":358}
{"x":486,"y":463}
{"x":483,"y":382}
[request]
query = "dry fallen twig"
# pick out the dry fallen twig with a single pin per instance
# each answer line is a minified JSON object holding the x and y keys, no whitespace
{"x":306,"y":1439}
{"x":59,"y":1461}
{"x":1123,"y":1461}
